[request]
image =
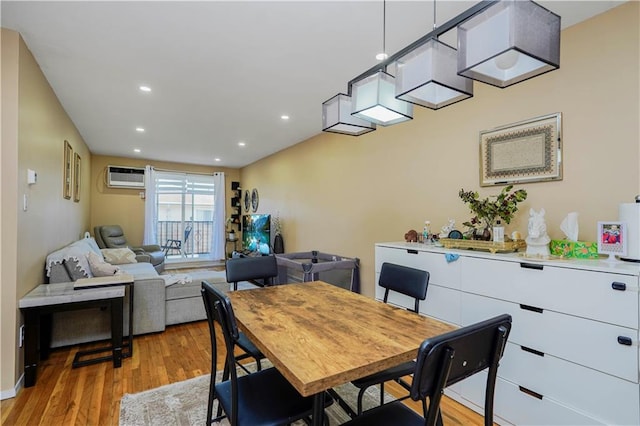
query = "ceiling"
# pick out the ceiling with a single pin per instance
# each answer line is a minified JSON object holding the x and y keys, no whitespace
{"x":220,"y":72}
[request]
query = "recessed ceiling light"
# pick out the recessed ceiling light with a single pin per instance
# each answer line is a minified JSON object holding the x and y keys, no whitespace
{"x":216,"y":159}
{"x":145,"y":88}
{"x":241,"y":144}
{"x":139,"y":129}
{"x":381,"y":56}
{"x":284,"y":117}
{"x":136,"y":150}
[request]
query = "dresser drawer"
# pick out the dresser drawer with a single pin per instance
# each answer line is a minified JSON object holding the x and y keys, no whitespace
{"x":520,"y":408}
{"x":604,"y":397}
{"x":442,"y":303}
{"x":440,"y":271}
{"x":588,"y":294}
{"x":589,"y":343}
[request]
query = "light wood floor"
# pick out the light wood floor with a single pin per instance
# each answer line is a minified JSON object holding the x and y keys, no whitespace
{"x":91,"y":395}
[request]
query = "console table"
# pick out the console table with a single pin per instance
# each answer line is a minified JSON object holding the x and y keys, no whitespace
{"x":572,"y":355}
{"x":38,"y":305}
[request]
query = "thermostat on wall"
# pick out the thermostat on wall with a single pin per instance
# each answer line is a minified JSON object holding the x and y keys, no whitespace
{"x":32,"y":176}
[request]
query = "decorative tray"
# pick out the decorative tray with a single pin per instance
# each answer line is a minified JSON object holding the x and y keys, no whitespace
{"x":507,"y":246}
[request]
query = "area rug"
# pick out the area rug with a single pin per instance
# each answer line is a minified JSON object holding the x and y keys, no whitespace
{"x":185,"y":404}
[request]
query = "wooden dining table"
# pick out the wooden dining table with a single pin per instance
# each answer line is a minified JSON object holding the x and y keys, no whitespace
{"x":320,"y":336}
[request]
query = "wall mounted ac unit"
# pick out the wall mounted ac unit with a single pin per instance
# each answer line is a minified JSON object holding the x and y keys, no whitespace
{"x":125,"y":177}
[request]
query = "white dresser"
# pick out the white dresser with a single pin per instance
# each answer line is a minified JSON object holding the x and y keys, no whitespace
{"x":572,"y":356}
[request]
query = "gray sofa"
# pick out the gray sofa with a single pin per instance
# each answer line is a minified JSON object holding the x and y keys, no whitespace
{"x":155,"y":304}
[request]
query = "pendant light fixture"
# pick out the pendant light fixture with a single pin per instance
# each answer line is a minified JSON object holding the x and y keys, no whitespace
{"x":500,"y":42}
{"x":509,"y":42}
{"x":337,"y":118}
{"x":428,"y":75}
{"x":374,"y":99}
{"x":374,"y":94}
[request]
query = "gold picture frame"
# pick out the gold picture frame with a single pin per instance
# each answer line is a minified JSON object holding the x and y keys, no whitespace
{"x":527,"y":151}
{"x":67,"y":171}
{"x":77,"y":169}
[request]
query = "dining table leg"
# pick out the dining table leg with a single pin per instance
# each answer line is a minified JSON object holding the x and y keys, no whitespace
{"x":318,"y":409}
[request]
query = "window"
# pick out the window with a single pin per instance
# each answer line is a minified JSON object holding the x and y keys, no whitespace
{"x":185,"y":207}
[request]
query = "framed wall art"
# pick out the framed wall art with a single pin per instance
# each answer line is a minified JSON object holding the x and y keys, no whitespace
{"x":612,"y":239}
{"x":527,"y":151}
{"x":67,"y":171}
{"x":77,"y":174}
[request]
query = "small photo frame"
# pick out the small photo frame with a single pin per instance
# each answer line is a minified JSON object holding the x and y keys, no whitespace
{"x":612,"y":239}
{"x":77,"y":174}
{"x":67,"y":170}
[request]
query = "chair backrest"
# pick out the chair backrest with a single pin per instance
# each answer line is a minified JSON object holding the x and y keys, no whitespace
{"x":402,"y":279}
{"x":251,"y":268}
{"x":110,"y":236}
{"x":451,"y":357}
{"x":219,"y":309}
{"x":187,"y":232}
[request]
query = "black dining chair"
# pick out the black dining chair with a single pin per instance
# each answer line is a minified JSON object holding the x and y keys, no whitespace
{"x":441,"y":362}
{"x":249,"y":350}
{"x":251,"y":268}
{"x":261,"y":398}
{"x":410,"y":282}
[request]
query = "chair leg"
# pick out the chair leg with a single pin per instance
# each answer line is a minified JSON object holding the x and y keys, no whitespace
{"x":211,"y":398}
{"x":360,"y":395}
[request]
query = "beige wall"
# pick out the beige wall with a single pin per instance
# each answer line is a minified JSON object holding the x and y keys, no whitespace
{"x":341,"y":194}
{"x":124,"y":207}
{"x":32,"y":138}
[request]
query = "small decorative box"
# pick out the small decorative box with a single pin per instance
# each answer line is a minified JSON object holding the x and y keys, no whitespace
{"x":574,"y":249}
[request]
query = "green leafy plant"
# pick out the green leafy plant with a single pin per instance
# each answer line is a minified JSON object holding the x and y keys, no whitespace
{"x":489,"y":209}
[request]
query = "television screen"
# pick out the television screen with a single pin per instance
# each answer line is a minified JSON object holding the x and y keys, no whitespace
{"x":256,"y":233}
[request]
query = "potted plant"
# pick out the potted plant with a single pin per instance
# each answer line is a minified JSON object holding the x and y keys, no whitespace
{"x":489,"y":209}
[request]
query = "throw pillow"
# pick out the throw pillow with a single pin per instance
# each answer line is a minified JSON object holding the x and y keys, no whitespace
{"x":119,"y":256}
{"x":99,"y":267}
{"x":75,"y":270}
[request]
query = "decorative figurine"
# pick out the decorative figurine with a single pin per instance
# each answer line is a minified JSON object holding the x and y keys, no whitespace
{"x":411,"y":236}
{"x":537,"y":240}
{"x":445,"y":230}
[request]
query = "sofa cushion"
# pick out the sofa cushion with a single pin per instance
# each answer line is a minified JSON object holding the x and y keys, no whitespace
{"x":119,"y":256}
{"x":140,"y":270}
{"x":99,"y":267}
{"x":181,"y":291}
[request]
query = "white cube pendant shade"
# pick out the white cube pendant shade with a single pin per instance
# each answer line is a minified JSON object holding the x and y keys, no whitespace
{"x":510,"y":41}
{"x":337,"y":118}
{"x":428,"y":76}
{"x":373,"y":99}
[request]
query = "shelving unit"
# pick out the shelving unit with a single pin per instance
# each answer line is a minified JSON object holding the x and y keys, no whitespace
{"x":236,"y":204}
{"x":236,"y":209}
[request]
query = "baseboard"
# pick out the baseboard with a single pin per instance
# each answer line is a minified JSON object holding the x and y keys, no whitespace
{"x":11,"y":393}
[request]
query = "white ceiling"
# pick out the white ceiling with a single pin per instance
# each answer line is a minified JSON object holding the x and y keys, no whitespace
{"x":221,"y":72}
